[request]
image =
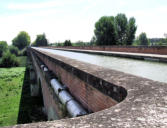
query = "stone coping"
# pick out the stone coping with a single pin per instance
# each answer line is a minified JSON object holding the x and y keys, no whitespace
{"x":139,"y":56}
{"x":144,"y":106}
{"x":77,"y":68}
{"x":162,"y":50}
{"x":115,"y":46}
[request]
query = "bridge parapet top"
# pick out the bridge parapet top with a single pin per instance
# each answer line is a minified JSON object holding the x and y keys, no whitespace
{"x":144,"y":106}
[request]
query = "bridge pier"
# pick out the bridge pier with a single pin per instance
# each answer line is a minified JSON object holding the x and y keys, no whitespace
{"x":40,"y":88}
{"x":34,"y":86}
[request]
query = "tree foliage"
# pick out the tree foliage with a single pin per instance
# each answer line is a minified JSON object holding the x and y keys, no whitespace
{"x":41,"y":40}
{"x":143,"y":39}
{"x":121,"y":24}
{"x":79,"y":43}
{"x":93,"y":41}
{"x":21,"y":40}
{"x":9,"y":60}
{"x":3,"y":47}
{"x":67,"y":43}
{"x":59,"y":44}
{"x":23,"y":52}
{"x":131,"y":30}
{"x":117,"y":30}
{"x":14,"y":50}
{"x":105,"y":31}
{"x":158,"y":41}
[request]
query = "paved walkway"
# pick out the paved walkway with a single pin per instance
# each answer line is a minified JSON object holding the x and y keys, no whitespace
{"x":142,"y":56}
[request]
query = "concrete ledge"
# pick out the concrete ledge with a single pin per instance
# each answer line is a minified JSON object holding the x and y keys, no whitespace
{"x":138,"y":56}
{"x":162,"y":50}
{"x":94,"y":93}
{"x":144,"y":106}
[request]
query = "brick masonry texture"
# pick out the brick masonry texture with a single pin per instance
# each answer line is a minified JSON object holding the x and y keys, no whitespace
{"x":144,"y":105}
{"x":162,"y":50}
{"x":90,"y":97}
{"x":47,"y":92}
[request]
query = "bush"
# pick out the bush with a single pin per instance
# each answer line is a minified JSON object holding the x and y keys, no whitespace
{"x":14,"y":50}
{"x":41,"y":40}
{"x":23,"y":52}
{"x":3,"y":47}
{"x":143,"y":39}
{"x":9,"y":60}
{"x":67,"y":43}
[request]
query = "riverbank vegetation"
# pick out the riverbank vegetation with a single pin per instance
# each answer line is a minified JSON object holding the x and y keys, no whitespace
{"x":11,"y":80}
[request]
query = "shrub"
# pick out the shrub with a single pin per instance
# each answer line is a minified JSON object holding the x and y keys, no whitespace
{"x":3,"y":47}
{"x":9,"y":60}
{"x":67,"y":43}
{"x":23,"y":52}
{"x":14,"y":50}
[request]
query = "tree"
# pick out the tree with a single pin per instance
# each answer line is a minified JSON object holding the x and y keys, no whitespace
{"x":117,"y":30}
{"x":93,"y":41}
{"x":3,"y":47}
{"x":9,"y":60}
{"x":41,"y":40}
{"x":161,"y":42}
{"x":59,"y":44}
{"x":21,"y":40}
{"x":131,"y":30}
{"x":105,"y":31}
{"x":33,"y":44}
{"x":67,"y":43}
{"x":121,"y":24}
{"x":14,"y":50}
{"x":79,"y":43}
{"x":143,"y":39}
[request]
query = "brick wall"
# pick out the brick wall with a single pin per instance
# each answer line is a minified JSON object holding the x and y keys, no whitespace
{"x":91,"y":98}
{"x":52,"y":107}
{"x":134,"y":49}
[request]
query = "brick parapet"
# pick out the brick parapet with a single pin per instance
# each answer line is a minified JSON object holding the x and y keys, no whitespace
{"x":84,"y":86}
{"x":162,"y":50}
{"x":144,"y":106}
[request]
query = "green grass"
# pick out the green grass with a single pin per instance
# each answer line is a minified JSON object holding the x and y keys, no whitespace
{"x":22,"y":61}
{"x":11,"y":81}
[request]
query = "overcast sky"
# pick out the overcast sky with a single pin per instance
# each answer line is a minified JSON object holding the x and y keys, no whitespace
{"x":75,"y":19}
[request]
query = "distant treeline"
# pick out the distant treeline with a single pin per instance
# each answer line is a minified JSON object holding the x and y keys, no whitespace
{"x":69,"y":43}
{"x":136,"y":42}
{"x":109,"y":30}
{"x":118,"y":30}
{"x":158,"y":41}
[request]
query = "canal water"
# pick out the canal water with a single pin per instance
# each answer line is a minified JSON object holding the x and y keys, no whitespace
{"x":147,"y":69}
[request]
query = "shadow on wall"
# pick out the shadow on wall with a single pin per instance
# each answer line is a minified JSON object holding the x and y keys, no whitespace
{"x":30,"y":109}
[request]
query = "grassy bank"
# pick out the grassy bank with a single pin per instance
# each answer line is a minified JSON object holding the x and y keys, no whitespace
{"x":11,"y":80}
{"x":22,"y":61}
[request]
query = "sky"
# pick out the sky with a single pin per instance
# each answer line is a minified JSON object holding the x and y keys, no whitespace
{"x":75,"y":19}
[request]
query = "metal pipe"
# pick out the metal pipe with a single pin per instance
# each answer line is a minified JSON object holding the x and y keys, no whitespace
{"x":75,"y":109}
{"x":45,"y":69}
{"x":72,"y":106}
{"x":42,"y":66}
{"x":56,"y":86}
{"x":64,"y":97}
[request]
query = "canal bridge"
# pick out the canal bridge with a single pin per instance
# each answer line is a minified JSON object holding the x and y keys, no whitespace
{"x":89,"y":95}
